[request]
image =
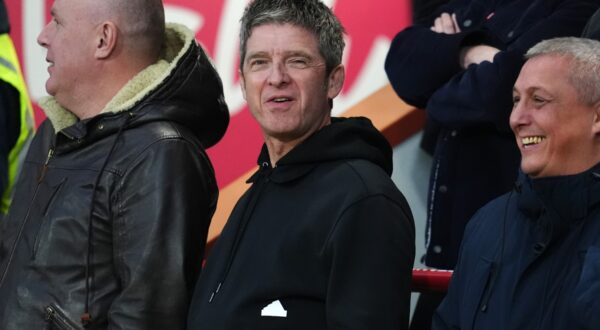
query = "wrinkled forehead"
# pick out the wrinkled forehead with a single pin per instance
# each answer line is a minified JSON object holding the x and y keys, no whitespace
{"x":544,"y":71}
{"x":284,"y":37}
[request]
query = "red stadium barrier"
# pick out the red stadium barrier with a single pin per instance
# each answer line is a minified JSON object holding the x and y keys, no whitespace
{"x":430,"y":280}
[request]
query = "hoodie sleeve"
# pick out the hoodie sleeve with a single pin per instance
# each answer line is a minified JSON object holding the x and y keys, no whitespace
{"x":482,"y":94}
{"x":164,"y":208}
{"x":372,"y":253}
{"x":424,"y":70}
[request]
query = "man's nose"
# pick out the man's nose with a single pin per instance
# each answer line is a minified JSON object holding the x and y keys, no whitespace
{"x":278,"y":75}
{"x":519,"y":115}
{"x":42,"y":38}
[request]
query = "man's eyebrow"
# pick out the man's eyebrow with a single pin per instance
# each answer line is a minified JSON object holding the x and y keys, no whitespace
{"x":257,"y":54}
{"x":298,"y":53}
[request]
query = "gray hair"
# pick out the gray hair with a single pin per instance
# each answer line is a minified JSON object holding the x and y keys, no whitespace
{"x":584,"y":55}
{"x":312,"y":15}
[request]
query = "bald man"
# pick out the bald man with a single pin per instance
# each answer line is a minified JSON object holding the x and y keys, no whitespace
{"x":110,"y":215}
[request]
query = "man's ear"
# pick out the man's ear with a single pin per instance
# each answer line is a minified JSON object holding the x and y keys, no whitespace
{"x":336,"y":81}
{"x":106,"y":39}
{"x":596,"y":124}
{"x":243,"y":84}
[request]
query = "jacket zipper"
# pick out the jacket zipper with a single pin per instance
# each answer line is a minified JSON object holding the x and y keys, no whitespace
{"x":45,"y":167}
{"x":57,"y":319}
{"x":18,"y":238}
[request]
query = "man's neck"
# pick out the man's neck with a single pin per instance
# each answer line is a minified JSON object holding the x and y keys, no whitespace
{"x":277,"y":149}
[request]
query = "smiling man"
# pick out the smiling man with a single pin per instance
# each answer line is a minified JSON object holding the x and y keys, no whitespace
{"x":531,"y":258}
{"x":323,"y":239}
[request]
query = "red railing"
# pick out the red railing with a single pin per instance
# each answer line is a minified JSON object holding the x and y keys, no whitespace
{"x":430,"y":280}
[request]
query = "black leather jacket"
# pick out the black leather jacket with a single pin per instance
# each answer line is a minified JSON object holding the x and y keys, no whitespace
{"x":113,"y":212}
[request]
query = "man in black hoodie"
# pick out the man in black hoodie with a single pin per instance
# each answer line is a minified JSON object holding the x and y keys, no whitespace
{"x":110,"y":214}
{"x":323,"y":238}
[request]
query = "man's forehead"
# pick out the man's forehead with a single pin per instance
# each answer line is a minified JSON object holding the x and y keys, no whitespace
{"x":286,"y":37}
{"x":282,"y":27}
{"x":543,"y":70}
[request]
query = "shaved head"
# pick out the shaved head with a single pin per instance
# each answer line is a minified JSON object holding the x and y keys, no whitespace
{"x":140,"y":22}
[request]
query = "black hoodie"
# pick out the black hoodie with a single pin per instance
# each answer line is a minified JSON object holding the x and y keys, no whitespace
{"x":324,"y":238}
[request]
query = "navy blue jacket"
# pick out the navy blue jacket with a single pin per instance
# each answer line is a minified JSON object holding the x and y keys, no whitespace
{"x":476,"y":158}
{"x":530,"y":259}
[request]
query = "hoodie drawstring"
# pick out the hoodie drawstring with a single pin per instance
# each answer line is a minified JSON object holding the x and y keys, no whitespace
{"x":257,"y":188}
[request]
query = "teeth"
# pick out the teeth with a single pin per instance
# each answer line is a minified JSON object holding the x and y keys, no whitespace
{"x":532,"y":140}
{"x":281,"y":99}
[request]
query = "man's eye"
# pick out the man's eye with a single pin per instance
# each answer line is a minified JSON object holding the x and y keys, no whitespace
{"x":297,"y":63}
{"x":538,"y":100}
{"x":515,"y":100}
{"x":258,"y":64}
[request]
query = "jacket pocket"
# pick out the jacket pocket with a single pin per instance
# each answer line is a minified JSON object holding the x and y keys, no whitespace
{"x":56,"y":319}
{"x":53,"y":192}
{"x":478,"y":290}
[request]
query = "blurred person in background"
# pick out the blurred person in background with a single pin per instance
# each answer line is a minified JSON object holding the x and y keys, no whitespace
{"x":16,"y":115}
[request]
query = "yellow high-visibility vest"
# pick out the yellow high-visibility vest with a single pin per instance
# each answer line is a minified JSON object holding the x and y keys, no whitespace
{"x":10,"y":72}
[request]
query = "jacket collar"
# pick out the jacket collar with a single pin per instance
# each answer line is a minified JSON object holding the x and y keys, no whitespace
{"x":279,"y":174}
{"x":556,"y":204}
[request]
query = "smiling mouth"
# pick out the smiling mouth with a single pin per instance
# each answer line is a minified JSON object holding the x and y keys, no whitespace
{"x":532,"y":140}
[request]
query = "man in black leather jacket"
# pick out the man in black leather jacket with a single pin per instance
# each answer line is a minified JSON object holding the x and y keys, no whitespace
{"x":109,"y":220}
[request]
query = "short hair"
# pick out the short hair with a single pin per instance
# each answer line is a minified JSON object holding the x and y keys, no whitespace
{"x":142,"y":23}
{"x":312,"y":15}
{"x":584,"y":55}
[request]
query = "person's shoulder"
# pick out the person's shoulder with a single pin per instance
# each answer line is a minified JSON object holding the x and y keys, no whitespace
{"x":370,"y":177}
{"x":151,"y":132}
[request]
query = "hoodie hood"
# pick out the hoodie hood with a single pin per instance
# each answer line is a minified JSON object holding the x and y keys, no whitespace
{"x":343,"y":139}
{"x":183,"y":87}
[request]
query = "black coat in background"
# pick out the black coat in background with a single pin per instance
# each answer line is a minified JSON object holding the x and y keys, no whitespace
{"x":476,"y":158}
{"x":423,"y":9}
{"x":592,"y":29}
